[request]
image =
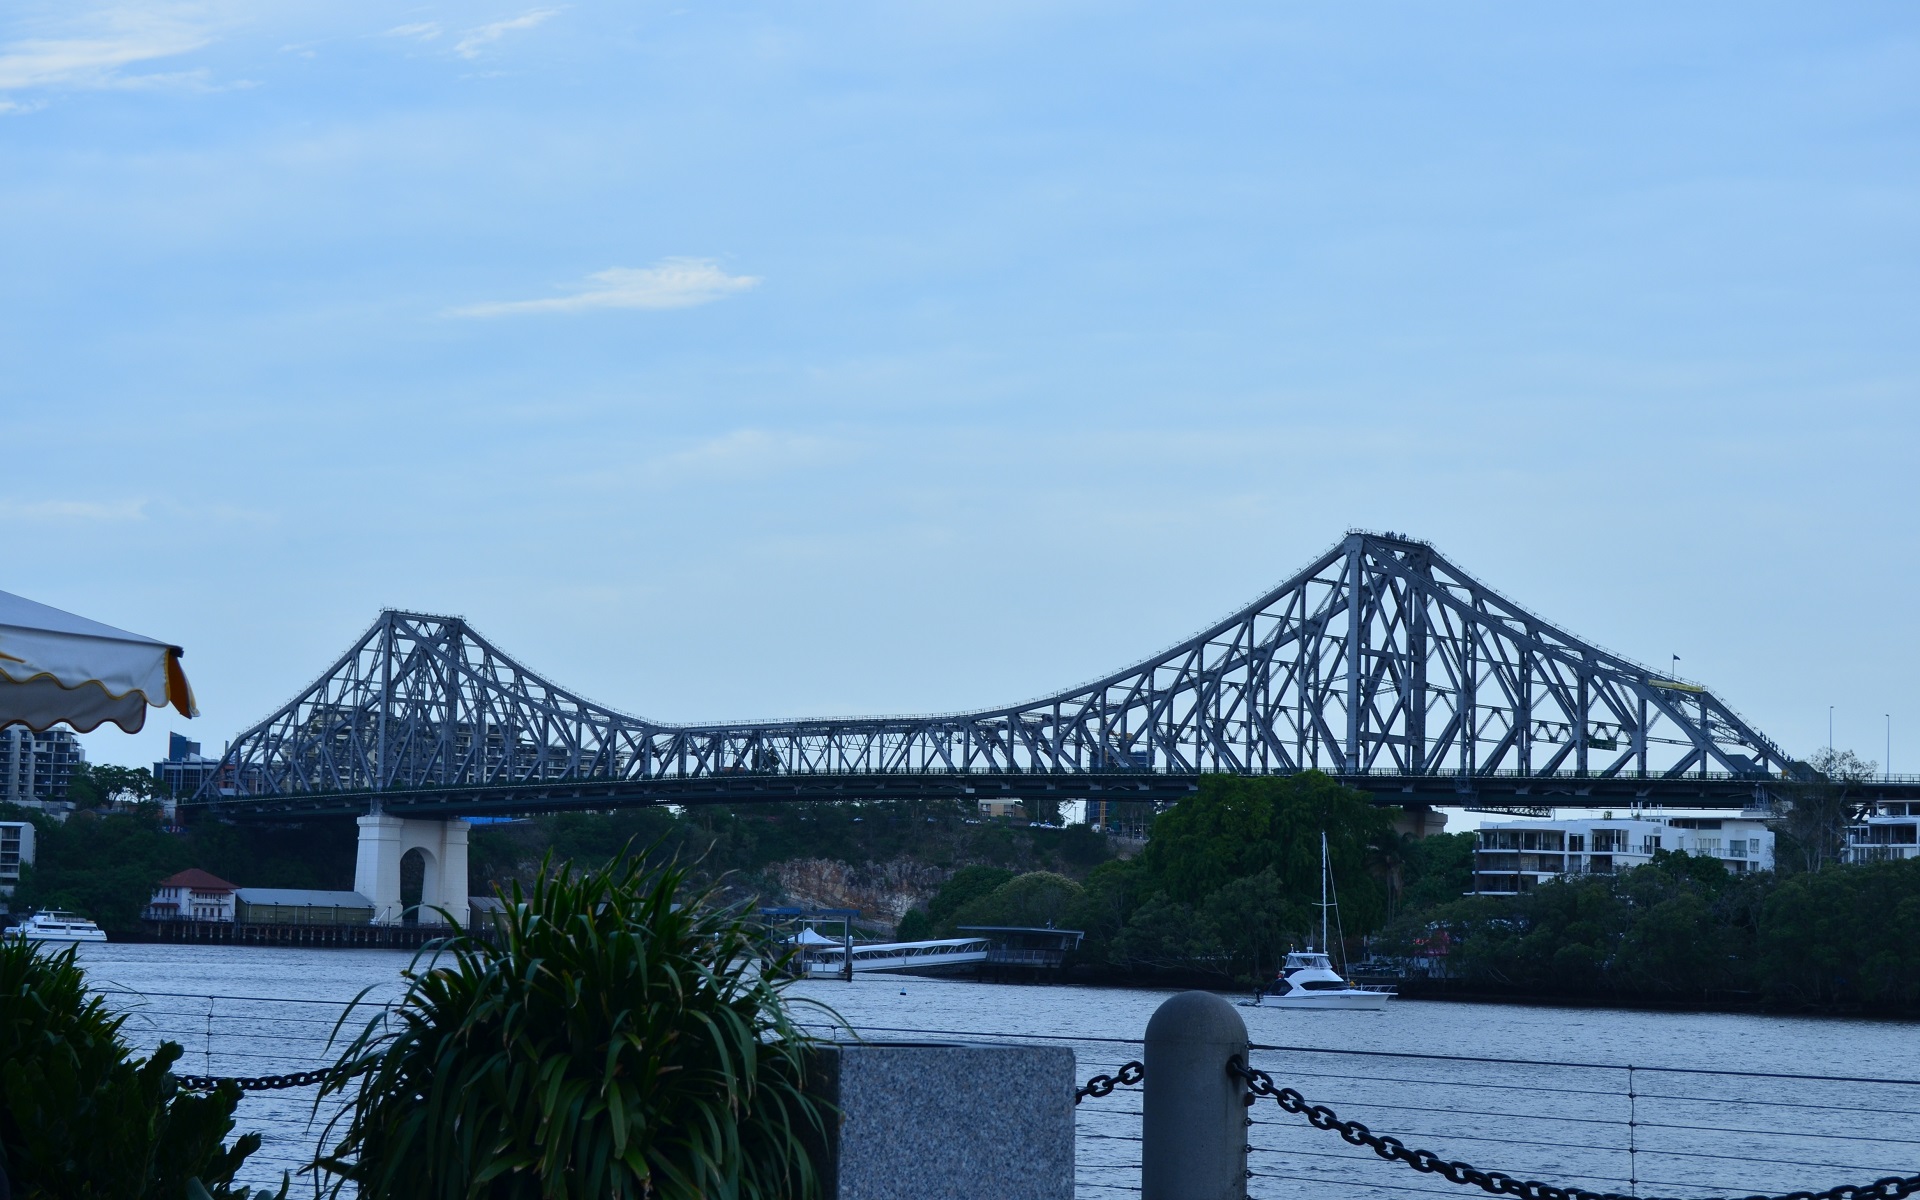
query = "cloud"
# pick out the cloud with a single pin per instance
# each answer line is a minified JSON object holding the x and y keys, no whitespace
{"x":672,"y":283}
{"x":479,"y":38}
{"x":74,"y":510}
{"x":90,"y":61}
{"x":425,"y":31}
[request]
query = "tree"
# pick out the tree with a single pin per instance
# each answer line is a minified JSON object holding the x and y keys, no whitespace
{"x":1237,"y":826}
{"x":102,"y":865}
{"x":1036,"y":899}
{"x":1169,"y":935}
{"x":964,"y":886}
{"x":1437,"y":870}
{"x":95,"y":785}
{"x":1041,"y":810}
{"x":1819,"y":811}
{"x":1255,"y":924}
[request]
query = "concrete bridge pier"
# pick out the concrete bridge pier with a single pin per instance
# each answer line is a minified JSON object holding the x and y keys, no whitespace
{"x":442,"y":846}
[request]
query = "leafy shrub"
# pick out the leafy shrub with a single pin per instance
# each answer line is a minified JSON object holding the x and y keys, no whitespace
{"x":966,"y":885}
{"x":623,"y":1041}
{"x":80,"y":1117}
{"x":1036,"y":898}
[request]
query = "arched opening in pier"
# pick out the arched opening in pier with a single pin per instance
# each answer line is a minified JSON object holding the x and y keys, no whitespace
{"x":413,"y":884}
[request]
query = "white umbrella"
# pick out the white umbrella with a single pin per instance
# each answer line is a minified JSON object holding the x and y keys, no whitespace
{"x":55,"y":666}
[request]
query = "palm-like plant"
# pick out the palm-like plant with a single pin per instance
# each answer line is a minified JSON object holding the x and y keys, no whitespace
{"x":83,"y":1118}
{"x":624,"y":1039}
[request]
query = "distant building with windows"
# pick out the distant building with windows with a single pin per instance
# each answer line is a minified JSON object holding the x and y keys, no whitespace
{"x":192,"y":895}
{"x":1511,"y":857}
{"x":1888,"y":833}
{"x":16,"y":851}
{"x":35,"y":767}
{"x":183,"y":771}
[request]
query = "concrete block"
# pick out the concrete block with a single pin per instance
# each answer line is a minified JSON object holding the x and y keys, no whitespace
{"x":948,"y":1121}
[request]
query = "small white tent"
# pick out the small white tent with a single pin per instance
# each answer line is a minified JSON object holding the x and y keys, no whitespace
{"x":57,"y":667}
{"x":810,"y":936}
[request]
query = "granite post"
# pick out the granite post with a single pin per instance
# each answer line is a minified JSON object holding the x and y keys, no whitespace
{"x":947,"y":1121}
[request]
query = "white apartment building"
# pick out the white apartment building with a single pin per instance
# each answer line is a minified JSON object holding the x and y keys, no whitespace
{"x":16,"y":851}
{"x":1515,"y":856}
{"x":1890,"y":831}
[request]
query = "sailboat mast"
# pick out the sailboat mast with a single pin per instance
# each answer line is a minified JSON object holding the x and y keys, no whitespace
{"x":1325,"y":946}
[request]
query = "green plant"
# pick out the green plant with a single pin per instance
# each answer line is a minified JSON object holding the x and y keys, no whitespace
{"x":80,"y":1117}
{"x":627,"y":1038}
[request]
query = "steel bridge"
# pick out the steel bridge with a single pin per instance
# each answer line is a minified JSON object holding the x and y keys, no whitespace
{"x":1381,"y":663}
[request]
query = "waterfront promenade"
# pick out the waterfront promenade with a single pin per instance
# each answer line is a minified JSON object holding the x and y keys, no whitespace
{"x":1539,"y":1092}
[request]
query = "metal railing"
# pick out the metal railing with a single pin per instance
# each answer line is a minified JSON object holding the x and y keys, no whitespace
{"x":1629,"y":1129}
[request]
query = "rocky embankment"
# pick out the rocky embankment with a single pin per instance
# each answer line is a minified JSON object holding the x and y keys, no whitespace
{"x":882,"y":891}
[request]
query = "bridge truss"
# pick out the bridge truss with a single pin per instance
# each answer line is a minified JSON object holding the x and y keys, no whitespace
{"x":1381,"y":662}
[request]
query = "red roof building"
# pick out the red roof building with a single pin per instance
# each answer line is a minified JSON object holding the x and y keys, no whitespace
{"x":192,"y":895}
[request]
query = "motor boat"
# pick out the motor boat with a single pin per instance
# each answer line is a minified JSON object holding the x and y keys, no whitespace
{"x":1308,"y":980}
{"x":53,"y":925}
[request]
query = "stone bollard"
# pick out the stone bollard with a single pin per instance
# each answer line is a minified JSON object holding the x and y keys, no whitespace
{"x":947,"y":1121}
{"x":1194,"y":1128}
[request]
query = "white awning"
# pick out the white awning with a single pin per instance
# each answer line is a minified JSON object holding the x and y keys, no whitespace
{"x":55,"y":667}
{"x":811,"y":937}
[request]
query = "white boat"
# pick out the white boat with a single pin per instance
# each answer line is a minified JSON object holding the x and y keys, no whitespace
{"x":935,"y":957}
{"x":52,"y":925}
{"x":1308,"y":979}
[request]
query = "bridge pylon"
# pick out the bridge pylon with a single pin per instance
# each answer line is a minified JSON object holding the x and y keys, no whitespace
{"x":386,"y":841}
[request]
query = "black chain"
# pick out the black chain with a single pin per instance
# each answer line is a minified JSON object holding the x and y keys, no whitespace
{"x":1103,"y":1085}
{"x":253,"y":1083}
{"x":1259,"y":1083}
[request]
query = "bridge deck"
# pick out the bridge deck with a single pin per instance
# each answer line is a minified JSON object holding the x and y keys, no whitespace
{"x":1494,"y":791}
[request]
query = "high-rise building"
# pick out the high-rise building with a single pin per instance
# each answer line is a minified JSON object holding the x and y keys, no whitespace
{"x":35,"y":767}
{"x":184,"y":769}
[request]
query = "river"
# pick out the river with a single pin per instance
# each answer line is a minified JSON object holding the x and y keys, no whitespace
{"x":1569,"y":1112}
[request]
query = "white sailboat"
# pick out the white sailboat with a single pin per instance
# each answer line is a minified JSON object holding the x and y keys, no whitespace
{"x":1308,"y":979}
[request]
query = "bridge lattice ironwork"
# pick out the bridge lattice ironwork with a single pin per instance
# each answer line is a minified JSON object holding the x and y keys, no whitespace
{"x":1380,"y":660}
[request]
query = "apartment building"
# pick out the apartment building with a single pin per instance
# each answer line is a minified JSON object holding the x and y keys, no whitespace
{"x":1891,"y":831}
{"x":16,"y":851}
{"x":1515,"y":856}
{"x":35,"y":767}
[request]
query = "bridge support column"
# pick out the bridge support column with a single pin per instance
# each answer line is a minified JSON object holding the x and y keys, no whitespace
{"x":385,"y":840}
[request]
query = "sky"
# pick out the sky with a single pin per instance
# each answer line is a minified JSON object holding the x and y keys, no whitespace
{"x":732,"y":361}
